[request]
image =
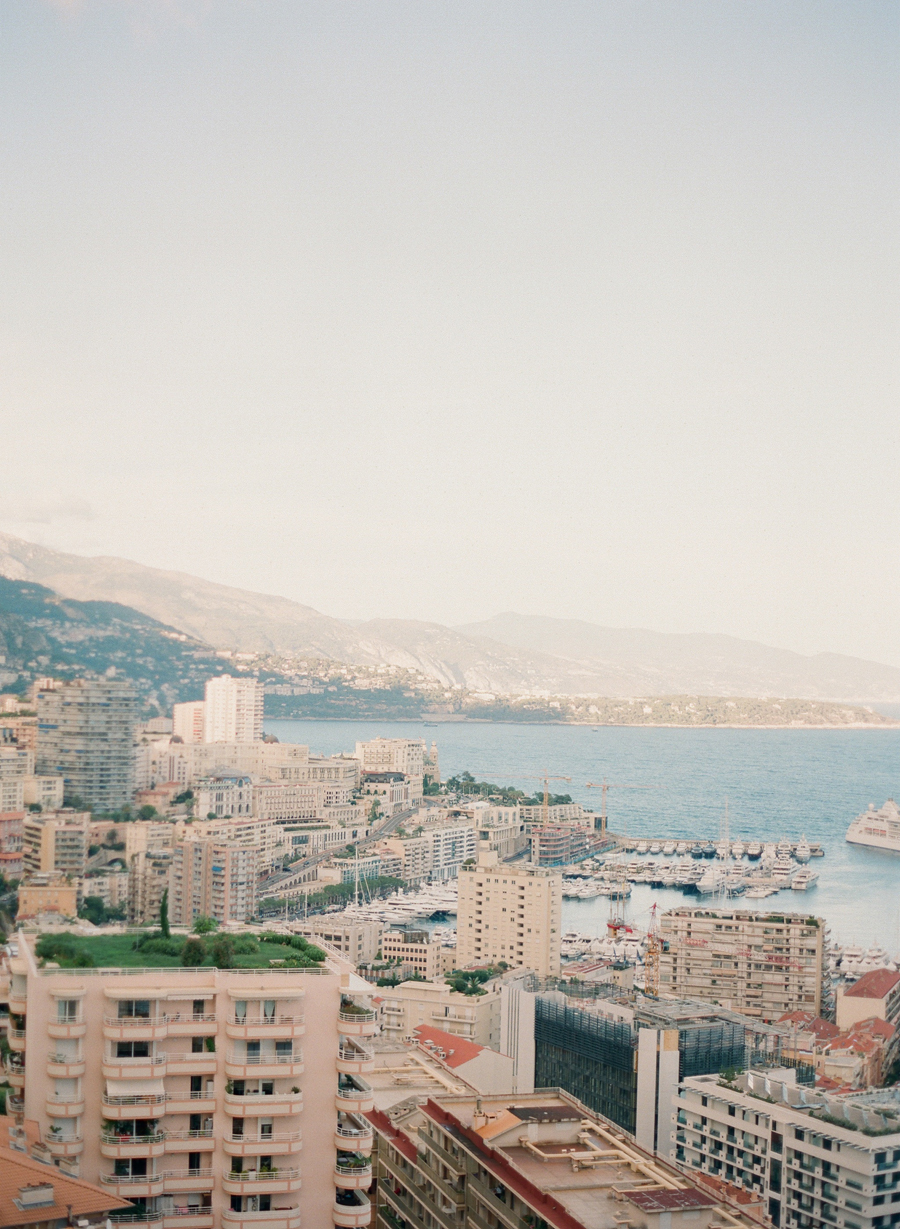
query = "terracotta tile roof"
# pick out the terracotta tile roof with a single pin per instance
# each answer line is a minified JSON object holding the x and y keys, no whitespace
{"x":399,"y":1139}
{"x":457,"y":1050}
{"x":875,"y":985}
{"x":18,"y":1170}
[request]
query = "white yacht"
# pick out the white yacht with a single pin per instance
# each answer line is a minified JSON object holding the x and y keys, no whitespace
{"x":737,"y":849}
{"x":803,"y":852}
{"x":804,"y":879}
{"x":877,"y":829}
{"x":681,"y":848}
{"x":754,"y":849}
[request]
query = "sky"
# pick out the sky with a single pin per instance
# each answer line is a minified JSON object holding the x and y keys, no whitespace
{"x":435,"y":310}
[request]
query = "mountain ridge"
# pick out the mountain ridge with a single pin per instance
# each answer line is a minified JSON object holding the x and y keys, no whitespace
{"x":508,"y":653}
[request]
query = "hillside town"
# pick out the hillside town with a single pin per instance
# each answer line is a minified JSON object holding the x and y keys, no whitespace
{"x":262,"y":938}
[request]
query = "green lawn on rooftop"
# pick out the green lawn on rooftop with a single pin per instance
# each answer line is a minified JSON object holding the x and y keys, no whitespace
{"x":118,"y":951}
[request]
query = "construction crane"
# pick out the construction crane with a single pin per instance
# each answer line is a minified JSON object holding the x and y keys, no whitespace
{"x":604,"y":785}
{"x":652,"y":954}
{"x":545,"y":778}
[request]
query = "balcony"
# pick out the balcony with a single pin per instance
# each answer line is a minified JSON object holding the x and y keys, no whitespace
{"x":119,"y":1147}
{"x":270,"y":1104}
{"x":277,"y":1218}
{"x":351,"y":1136}
{"x":150,"y":1068}
{"x":188,"y":1102}
{"x":261,"y":1181}
{"x":15,"y":1103}
{"x":135,"y":1028}
{"x":280,"y":1028}
{"x":132,"y":1186}
{"x":17,"y":1002}
{"x":62,"y":1030}
{"x":183,"y":1181}
{"x":352,"y":1208}
{"x":142,"y":1105}
{"x":353,"y":1175}
{"x":262,"y":1066}
{"x":64,"y":1066}
{"x":64,"y":1107}
{"x":354,"y":1095}
{"x":64,"y":1145}
{"x":195,"y":1141}
{"x":357,"y":1021}
{"x":188,"y":1025}
{"x":16,"y":1039}
{"x":201,"y":1063}
{"x":279,"y":1143}
{"x":354,"y":1059}
{"x":15,"y":1074}
{"x":188,"y":1218}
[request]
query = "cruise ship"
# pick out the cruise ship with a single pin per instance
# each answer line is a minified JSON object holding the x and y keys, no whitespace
{"x":877,"y":829}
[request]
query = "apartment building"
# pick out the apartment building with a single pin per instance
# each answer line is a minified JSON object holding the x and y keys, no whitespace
{"x":558,"y":813}
{"x":48,"y":892}
{"x":12,"y":794}
{"x":84,"y":735}
{"x":214,"y":879}
{"x":357,"y":942}
{"x":112,"y":888}
{"x":433,"y":855}
{"x":814,"y":1160}
{"x":56,"y":841}
{"x":209,"y":1098}
{"x":148,"y":879}
{"x":562,"y":844}
{"x":403,"y":1008}
{"x":45,"y":792}
{"x":403,"y":755}
{"x":391,"y":791}
{"x":415,"y":950}
{"x":511,"y":913}
{"x":540,"y":1159}
{"x":163,"y":760}
{"x":763,"y":964}
{"x":289,"y":801}
{"x":189,"y":721}
{"x":233,"y":710}
{"x":11,"y":825}
{"x":501,"y":827}
{"x":268,"y":838}
{"x":17,"y":765}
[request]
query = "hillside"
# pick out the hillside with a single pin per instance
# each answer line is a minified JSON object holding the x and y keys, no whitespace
{"x":42,"y":633}
{"x":509,"y":654}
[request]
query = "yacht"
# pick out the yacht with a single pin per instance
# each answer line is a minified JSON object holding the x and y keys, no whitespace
{"x":697,"y":851}
{"x":803,"y":852}
{"x":784,"y":849}
{"x":804,"y":879}
{"x":681,"y":848}
{"x":709,"y":850}
{"x":656,"y":848}
{"x":877,"y":829}
{"x":781,"y":871}
{"x":643,"y":846}
{"x":754,"y":850}
{"x":710,"y":881}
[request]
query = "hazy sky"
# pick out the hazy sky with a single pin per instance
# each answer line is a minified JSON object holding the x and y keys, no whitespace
{"x":439,"y":309}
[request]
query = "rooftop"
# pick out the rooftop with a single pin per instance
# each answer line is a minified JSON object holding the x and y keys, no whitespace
{"x":453,"y":1051}
{"x":136,"y":950}
{"x":52,"y":1194}
{"x":874,"y":985}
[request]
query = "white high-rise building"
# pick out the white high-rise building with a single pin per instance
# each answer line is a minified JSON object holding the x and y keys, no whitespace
{"x":233,"y":712}
{"x":188,"y":721}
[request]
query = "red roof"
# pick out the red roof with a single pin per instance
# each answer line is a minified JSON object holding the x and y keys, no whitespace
{"x":669,"y":1201}
{"x":399,"y":1139}
{"x":457,"y":1050}
{"x":875,"y":985}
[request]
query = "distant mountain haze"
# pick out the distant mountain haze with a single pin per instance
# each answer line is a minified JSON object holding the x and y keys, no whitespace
{"x":507,"y":653}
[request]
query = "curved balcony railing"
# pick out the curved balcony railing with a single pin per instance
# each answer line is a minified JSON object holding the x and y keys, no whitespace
{"x":264,"y":1060}
{"x":362,"y":1015}
{"x":262,"y":1175}
{"x":277,"y":1137}
{"x":108,"y":1137}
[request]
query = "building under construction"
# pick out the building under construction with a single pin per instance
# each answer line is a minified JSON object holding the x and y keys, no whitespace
{"x":624,"y":1055}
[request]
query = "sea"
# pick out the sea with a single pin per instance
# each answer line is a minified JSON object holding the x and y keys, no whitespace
{"x":676,"y":783}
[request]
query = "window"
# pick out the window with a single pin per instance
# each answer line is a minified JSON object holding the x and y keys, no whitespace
{"x":66,"y":1010}
{"x":240,"y":1010}
{"x":132,"y":1049}
{"x":134,"y":1009}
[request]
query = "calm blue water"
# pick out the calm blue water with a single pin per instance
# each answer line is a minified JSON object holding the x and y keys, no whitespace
{"x":777,"y":782}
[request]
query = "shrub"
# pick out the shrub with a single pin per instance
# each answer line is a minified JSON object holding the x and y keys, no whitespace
{"x":193,"y":953}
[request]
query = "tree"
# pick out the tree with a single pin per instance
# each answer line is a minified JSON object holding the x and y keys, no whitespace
{"x":204,"y":925}
{"x":222,"y":951}
{"x":164,"y":915}
{"x":147,"y":812}
{"x":193,"y":953}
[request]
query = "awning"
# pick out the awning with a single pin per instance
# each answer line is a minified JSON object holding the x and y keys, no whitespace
{"x":135,"y":1088}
